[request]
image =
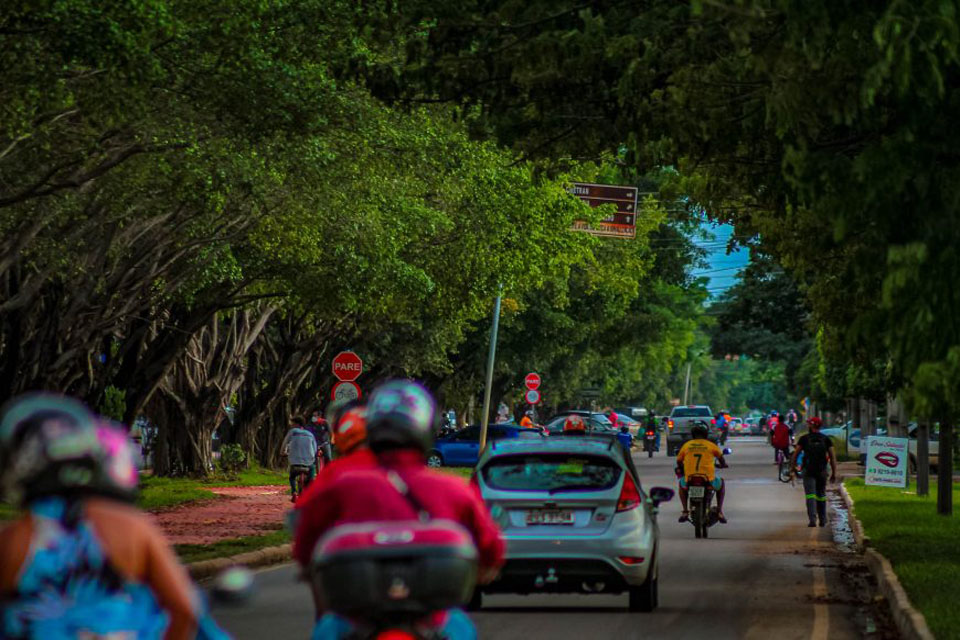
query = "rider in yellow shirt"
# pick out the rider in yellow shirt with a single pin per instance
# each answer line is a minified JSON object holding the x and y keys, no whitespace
{"x":698,"y":457}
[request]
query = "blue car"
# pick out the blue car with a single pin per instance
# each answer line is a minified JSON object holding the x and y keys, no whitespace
{"x":462,"y":448}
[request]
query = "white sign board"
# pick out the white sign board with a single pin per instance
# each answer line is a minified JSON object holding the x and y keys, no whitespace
{"x":887,"y":460}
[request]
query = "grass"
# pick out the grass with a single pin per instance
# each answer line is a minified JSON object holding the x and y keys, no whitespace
{"x":234,"y":546}
{"x":158,"y":493}
{"x":921,"y":545}
{"x":463,"y":472}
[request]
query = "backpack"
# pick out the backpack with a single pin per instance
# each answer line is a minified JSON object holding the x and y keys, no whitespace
{"x":815,"y":451}
{"x":781,"y":435}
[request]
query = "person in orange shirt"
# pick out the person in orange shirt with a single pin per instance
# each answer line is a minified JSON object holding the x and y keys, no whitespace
{"x":527,"y":421}
{"x":82,"y":561}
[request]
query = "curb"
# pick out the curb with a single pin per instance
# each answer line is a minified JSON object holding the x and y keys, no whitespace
{"x":862,"y":540}
{"x":910,"y":622}
{"x":259,"y":558}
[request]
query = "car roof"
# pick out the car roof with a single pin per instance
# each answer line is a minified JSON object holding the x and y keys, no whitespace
{"x":588,"y":444}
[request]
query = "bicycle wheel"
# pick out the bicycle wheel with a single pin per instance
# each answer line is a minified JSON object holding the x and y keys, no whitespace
{"x":784,"y":471}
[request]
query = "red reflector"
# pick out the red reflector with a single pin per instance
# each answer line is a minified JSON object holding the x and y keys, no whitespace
{"x":629,"y":496}
{"x":630,"y":560}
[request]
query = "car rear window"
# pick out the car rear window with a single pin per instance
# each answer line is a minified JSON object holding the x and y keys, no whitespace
{"x":552,"y":473}
{"x":691,"y":412}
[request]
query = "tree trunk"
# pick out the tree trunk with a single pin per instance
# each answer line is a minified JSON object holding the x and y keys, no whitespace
{"x":945,"y":470}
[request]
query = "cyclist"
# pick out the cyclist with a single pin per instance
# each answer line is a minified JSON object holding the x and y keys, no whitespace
{"x":82,"y":561}
{"x":817,"y":451}
{"x":696,"y":457}
{"x":400,"y":423}
{"x":300,"y":447}
{"x":781,"y":437}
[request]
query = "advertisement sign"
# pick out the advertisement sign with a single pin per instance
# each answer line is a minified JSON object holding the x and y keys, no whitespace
{"x":887,"y":460}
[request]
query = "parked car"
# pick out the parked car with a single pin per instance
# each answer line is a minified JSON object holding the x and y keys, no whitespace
{"x":737,"y":427}
{"x":462,"y":448}
{"x":753,"y":426}
{"x":681,"y":421}
{"x":595,"y":420}
{"x":934,"y":445}
{"x":575,"y":518}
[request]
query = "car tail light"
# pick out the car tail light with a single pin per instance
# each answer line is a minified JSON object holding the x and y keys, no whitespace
{"x":395,"y":634}
{"x":670,"y":424}
{"x":713,"y":421}
{"x":629,"y":495}
{"x":630,"y":559}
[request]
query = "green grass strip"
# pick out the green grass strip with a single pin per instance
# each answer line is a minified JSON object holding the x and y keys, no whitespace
{"x":923,"y":547}
{"x":231,"y":547}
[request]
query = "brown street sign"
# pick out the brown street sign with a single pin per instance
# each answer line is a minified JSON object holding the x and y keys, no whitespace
{"x":623,"y":223}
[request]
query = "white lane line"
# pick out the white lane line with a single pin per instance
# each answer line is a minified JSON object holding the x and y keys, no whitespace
{"x":821,"y":611}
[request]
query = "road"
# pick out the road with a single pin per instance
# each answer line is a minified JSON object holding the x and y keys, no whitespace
{"x":763,"y":575}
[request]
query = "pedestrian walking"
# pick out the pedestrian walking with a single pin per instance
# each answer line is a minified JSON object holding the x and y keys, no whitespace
{"x":818,"y":453}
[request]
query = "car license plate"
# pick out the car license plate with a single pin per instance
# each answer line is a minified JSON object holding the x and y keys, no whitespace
{"x":697,"y":492}
{"x":549,"y":516}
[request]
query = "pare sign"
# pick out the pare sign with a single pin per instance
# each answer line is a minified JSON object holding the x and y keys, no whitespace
{"x":887,"y":461}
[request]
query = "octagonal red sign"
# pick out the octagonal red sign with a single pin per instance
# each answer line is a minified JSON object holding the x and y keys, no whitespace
{"x":347,"y":366}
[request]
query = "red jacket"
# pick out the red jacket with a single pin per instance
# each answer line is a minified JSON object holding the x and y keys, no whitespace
{"x":361,"y":458}
{"x":367,"y":495}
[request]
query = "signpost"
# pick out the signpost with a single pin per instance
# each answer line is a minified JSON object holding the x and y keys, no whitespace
{"x":532,"y":381}
{"x":886,"y":461}
{"x":347,"y":366}
{"x":623,"y":223}
{"x":345,"y":390}
{"x":532,"y":396}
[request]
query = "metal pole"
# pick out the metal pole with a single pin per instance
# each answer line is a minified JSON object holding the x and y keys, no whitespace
{"x":491,"y":358}
{"x":686,"y":385}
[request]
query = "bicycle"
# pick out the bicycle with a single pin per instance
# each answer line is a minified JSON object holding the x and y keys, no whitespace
{"x":299,"y":480}
{"x":783,"y":465}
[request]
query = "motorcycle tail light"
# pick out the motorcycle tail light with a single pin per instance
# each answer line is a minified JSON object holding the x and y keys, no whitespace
{"x":631,"y":560}
{"x":395,"y":634}
{"x":629,"y":495}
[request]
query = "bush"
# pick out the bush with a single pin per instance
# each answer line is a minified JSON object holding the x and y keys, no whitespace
{"x":114,"y":403}
{"x":233,"y":459}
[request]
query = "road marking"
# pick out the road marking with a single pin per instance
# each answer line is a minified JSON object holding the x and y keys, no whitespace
{"x":821,"y":611}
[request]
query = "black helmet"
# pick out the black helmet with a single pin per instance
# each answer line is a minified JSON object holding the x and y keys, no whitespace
{"x":699,"y":431}
{"x":400,"y":415}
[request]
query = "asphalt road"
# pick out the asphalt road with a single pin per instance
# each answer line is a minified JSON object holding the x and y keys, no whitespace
{"x":763,"y":575}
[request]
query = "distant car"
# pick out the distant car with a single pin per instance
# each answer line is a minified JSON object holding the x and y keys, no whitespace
{"x":753,"y":426}
{"x":681,"y":421}
{"x":736,"y":427}
{"x":462,"y":448}
{"x":575,"y":518}
{"x":596,"y":421}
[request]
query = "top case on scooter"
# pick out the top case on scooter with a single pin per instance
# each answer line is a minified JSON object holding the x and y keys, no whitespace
{"x":382,"y":569}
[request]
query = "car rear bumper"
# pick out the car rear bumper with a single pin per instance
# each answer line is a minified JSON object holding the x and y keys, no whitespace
{"x":566,"y":575}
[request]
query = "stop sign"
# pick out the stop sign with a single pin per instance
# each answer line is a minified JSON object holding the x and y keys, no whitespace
{"x":532,"y":381}
{"x":347,"y":366}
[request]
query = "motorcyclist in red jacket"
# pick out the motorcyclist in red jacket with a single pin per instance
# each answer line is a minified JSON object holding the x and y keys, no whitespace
{"x":400,"y":424}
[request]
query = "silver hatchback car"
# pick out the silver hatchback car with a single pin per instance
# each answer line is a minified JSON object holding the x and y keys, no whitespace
{"x":575,"y":518}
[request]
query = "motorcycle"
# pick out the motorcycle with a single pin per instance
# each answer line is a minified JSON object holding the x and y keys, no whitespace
{"x":650,"y":442}
{"x":703,"y":513}
{"x":393,"y":580}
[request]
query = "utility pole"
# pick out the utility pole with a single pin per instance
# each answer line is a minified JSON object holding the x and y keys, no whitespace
{"x":491,"y":358}
{"x":686,"y":385}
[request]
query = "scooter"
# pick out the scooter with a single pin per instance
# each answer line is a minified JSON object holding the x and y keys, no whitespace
{"x":394,"y":580}
{"x":650,"y":442}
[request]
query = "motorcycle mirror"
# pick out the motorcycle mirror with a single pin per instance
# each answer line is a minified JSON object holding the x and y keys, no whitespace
{"x":727,"y":451}
{"x":660,"y":494}
{"x":233,"y":585}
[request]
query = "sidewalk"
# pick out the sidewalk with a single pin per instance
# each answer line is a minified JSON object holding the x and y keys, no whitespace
{"x":237,"y":512}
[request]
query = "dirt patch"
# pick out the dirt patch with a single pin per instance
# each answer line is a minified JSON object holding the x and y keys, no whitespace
{"x":237,"y":512}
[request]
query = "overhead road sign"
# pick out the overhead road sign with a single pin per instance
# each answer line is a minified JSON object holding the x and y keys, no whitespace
{"x":623,"y":222}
